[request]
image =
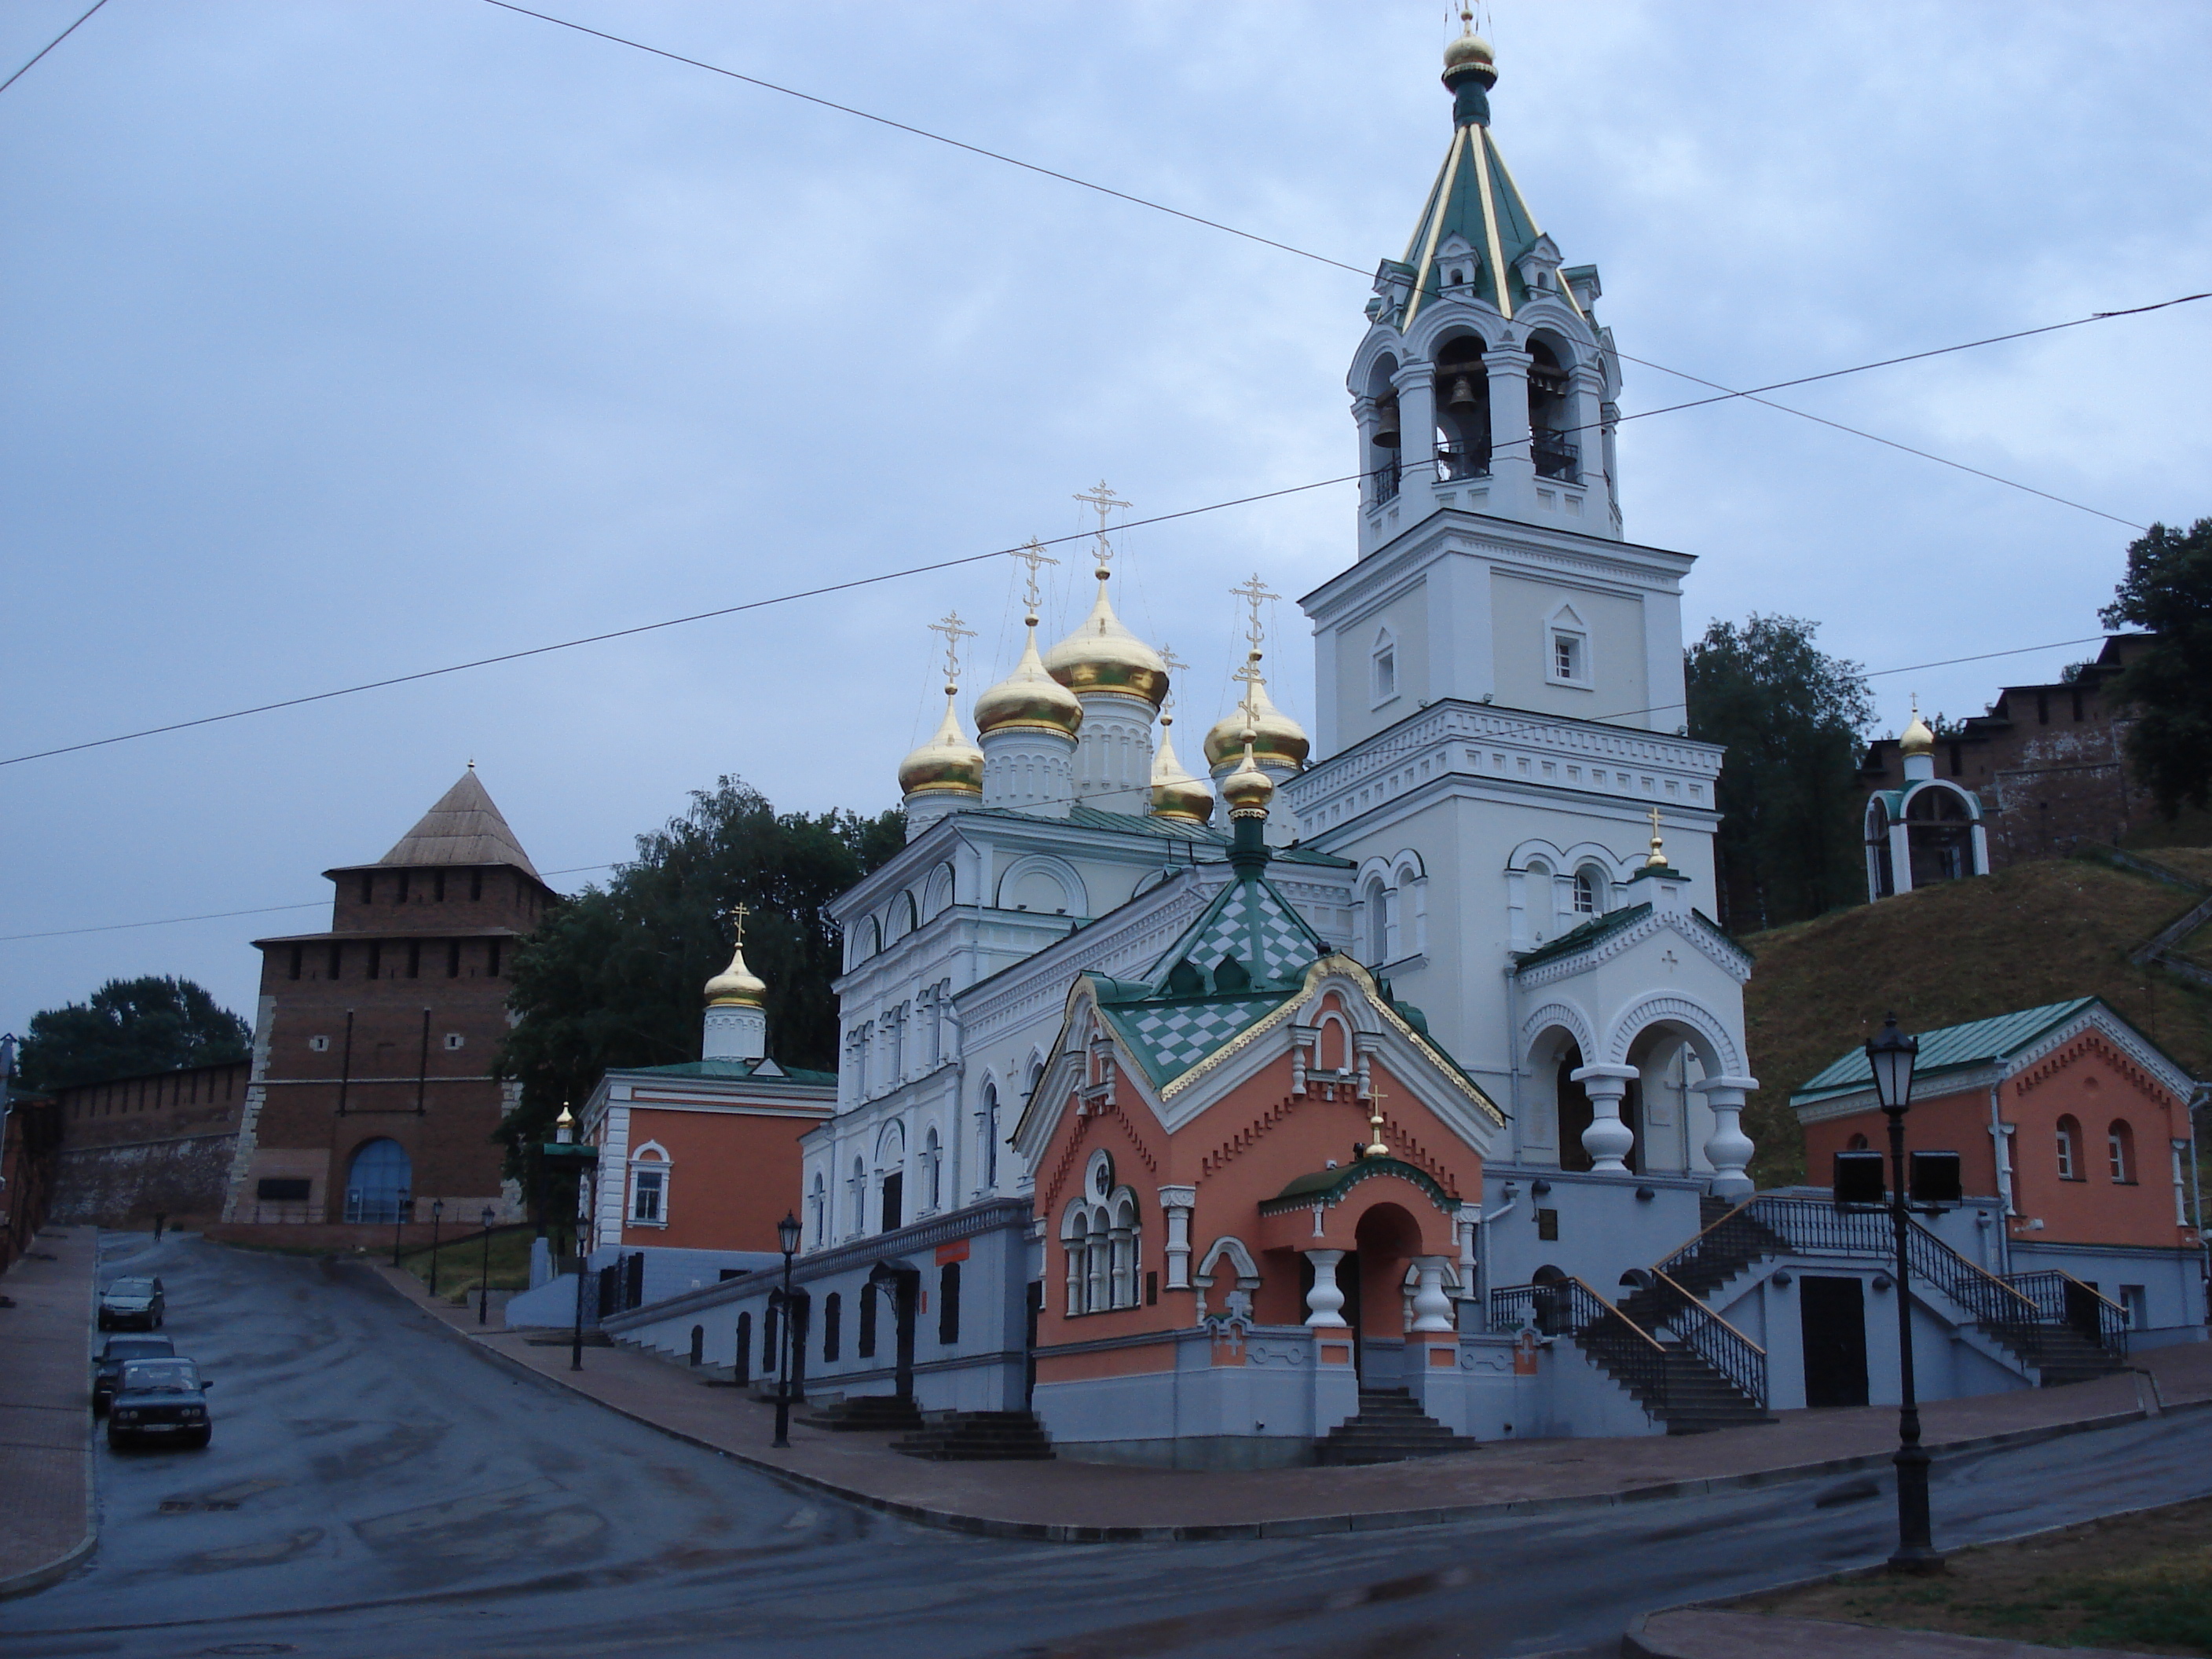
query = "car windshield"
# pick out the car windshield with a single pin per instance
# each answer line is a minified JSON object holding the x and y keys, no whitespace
{"x":161,"y":1377}
{"x":131,"y":1287}
{"x":144,"y":1347}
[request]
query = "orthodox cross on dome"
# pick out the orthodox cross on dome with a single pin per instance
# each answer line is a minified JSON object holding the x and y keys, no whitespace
{"x":1033,"y":555}
{"x":1658,"y":859}
{"x":737,"y":913}
{"x":1104,"y":501}
{"x":1376,"y":1148}
{"x":1255,"y":593}
{"x":950,"y":626}
{"x":1175,"y":665}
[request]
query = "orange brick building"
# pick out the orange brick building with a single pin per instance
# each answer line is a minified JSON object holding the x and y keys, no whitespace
{"x":2079,"y":1127}
{"x":372,"y":1094}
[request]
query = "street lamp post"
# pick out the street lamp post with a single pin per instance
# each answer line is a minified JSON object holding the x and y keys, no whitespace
{"x":787,"y":1239}
{"x":398,"y":1221}
{"x":1891,"y":1055}
{"x":483,"y":1274}
{"x":437,"y":1209}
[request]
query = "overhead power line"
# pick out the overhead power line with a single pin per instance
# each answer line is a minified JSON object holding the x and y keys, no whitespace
{"x":1726,"y":393}
{"x":50,"y":45}
{"x":1531,"y":725}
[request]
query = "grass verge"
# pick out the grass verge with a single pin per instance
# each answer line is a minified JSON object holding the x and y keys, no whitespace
{"x":2139,"y":1582}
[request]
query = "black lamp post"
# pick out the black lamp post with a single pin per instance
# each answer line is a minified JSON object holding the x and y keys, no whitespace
{"x":787,"y":1239}
{"x":437,"y":1209}
{"x":483,"y":1274}
{"x":398,"y":1221}
{"x":1891,"y":1055}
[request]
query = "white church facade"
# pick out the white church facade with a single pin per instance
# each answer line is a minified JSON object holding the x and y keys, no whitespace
{"x":1198,"y":1114}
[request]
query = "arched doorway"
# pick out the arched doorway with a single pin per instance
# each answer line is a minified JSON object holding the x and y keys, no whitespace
{"x":1385,"y":1241}
{"x":378,"y":1182}
{"x":1574,"y":1110}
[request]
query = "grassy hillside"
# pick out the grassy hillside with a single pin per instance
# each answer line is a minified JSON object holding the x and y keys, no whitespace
{"x":1967,"y":949}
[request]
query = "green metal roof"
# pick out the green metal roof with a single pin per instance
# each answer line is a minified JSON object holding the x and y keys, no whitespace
{"x":1326,"y":1187}
{"x":1474,"y":196}
{"x":1951,"y":1048}
{"x":1598,"y":928}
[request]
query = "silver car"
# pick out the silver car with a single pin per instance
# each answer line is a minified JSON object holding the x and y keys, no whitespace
{"x":132,"y":1304}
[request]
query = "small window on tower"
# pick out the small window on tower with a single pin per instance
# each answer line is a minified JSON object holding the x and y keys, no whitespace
{"x":453,"y":1039}
{"x":1384,"y":667}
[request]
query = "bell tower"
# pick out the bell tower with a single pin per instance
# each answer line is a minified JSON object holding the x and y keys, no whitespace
{"x":1485,"y":382}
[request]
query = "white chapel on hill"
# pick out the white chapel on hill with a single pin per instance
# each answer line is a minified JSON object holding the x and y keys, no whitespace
{"x":1374,"y":1090}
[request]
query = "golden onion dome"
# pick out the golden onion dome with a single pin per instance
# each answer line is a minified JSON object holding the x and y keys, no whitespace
{"x":1176,"y":793}
{"x":1471,"y":51}
{"x":1277,"y":740}
{"x":948,"y":764}
{"x":1918,"y":738}
{"x":1248,"y":789}
{"x":1102,"y":655}
{"x":1028,"y":698}
{"x":737,"y":986}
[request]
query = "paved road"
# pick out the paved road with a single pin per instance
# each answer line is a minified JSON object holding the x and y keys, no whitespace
{"x":376,"y":1489}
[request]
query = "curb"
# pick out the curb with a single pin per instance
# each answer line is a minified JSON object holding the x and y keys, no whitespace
{"x":1301,"y":1525}
{"x":29,"y":1584}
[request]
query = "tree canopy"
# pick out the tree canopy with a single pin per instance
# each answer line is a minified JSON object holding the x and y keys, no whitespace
{"x":129,"y":1027}
{"x":611,"y":977}
{"x":2167,"y":684}
{"x":1791,"y":717}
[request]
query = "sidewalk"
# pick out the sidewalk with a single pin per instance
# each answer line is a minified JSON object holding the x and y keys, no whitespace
{"x":1712,"y":1633}
{"x":47,"y":1525}
{"x":1075,"y":1503}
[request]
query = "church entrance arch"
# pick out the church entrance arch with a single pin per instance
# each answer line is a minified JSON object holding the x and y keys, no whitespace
{"x":901,"y":1286}
{"x":1386,"y":1240}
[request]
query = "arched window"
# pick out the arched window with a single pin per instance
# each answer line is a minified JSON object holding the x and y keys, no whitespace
{"x":989,"y":1127}
{"x":743,"y":1367}
{"x":1075,"y":1240}
{"x":648,"y":1188}
{"x":817,"y":1212}
{"x":1378,"y":923}
{"x":698,"y":1343}
{"x":1382,"y":667}
{"x":857,"y":1186}
{"x":378,"y":1182}
{"x":1856,"y":1144}
{"x":1588,"y":894}
{"x":833,"y":1313}
{"x":2120,"y":1148}
{"x":2069,"y":1149}
{"x":1121,"y":1264}
{"x":933,"y":1161}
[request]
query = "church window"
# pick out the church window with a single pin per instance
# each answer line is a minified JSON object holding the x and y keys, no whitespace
{"x":990,"y":1133}
{"x":2120,"y":1149}
{"x":1378,"y":923}
{"x":1585,"y":894}
{"x":649,"y":1192}
{"x":948,"y":1304}
{"x":865,"y":1344}
{"x":2069,"y":1148}
{"x":768,"y":1335}
{"x":817,"y":1208}
{"x":833,"y":1314}
{"x":744,"y":1365}
{"x":1383,"y":668}
{"x":932,"y":1165}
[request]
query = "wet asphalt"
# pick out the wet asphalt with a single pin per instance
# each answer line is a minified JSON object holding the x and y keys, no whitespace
{"x":376,"y":1489}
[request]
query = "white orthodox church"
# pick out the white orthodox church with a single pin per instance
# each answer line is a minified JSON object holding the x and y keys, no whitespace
{"x":1112,"y":1141}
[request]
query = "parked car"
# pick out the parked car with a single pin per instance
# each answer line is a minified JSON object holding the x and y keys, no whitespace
{"x":107,"y":1369}
{"x":132,"y":1304}
{"x":162,"y":1400}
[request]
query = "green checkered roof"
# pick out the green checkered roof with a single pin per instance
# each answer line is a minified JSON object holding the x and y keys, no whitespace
{"x":1235,"y":965}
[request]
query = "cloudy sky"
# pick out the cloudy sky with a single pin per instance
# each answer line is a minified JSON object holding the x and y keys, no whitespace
{"x":347,"y":340}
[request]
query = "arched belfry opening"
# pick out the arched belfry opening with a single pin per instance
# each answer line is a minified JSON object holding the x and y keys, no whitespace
{"x":1553,"y":443}
{"x":1462,"y":409}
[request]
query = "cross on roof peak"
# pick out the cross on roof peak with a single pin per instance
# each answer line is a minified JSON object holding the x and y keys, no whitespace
{"x":1034,"y":556}
{"x":737,"y":913}
{"x":1103,"y":500}
{"x":954,"y":630}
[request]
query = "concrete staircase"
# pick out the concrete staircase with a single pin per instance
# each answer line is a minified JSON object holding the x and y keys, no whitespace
{"x":878,"y":1411}
{"x":978,"y":1437}
{"x":1388,"y":1429}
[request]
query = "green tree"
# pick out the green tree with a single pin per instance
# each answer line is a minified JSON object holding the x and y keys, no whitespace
{"x":2167,"y":684}
{"x":129,"y":1027}
{"x":1791,"y":717}
{"x":613,"y":977}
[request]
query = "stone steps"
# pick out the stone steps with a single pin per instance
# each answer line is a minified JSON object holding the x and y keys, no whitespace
{"x":978,"y":1437}
{"x":1388,"y":1429}
{"x":878,"y":1411}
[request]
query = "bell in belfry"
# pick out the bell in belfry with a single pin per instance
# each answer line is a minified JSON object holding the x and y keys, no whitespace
{"x":1462,"y":395}
{"x":1386,"y":425}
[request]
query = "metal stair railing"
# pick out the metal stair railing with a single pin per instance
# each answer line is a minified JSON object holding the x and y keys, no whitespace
{"x":1726,"y":1247}
{"x":1712,"y":1339}
{"x":2061,"y":1299}
{"x":1569,"y":1308}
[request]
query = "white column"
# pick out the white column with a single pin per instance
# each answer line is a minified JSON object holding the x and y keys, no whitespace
{"x":1417,"y":426}
{"x":1729,"y":1149}
{"x":1607,"y":1140}
{"x":1901,"y":858}
{"x":1175,"y":1204}
{"x":2180,"y":1190}
{"x":1433,"y":1308}
{"x":1325,"y":1302}
{"x":1512,"y":468}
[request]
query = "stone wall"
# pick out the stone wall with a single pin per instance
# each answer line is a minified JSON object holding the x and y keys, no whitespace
{"x":128,"y":1184}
